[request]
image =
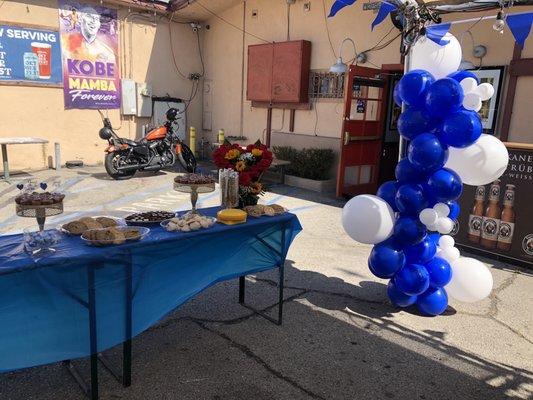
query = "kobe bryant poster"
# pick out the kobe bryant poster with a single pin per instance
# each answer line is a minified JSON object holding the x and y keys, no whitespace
{"x":89,"y":47}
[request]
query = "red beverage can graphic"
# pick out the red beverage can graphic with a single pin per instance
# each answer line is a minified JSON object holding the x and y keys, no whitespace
{"x":44,"y":53}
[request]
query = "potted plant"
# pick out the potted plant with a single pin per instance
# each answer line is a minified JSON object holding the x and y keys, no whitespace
{"x":250,"y":162}
{"x":309,"y":168}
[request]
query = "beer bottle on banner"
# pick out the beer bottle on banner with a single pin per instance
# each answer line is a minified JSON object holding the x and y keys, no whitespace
{"x":491,"y":219}
{"x":506,"y":231}
{"x":475,"y":220}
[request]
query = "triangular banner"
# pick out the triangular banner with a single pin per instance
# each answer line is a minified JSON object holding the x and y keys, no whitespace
{"x":437,"y":32}
{"x":520,"y":26}
{"x":339,"y":5}
{"x":384,"y":9}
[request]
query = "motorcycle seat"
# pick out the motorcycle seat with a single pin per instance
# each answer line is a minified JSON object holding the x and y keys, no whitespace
{"x":129,"y":142}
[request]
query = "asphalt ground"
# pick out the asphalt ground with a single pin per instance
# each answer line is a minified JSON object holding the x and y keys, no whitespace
{"x":340,"y":339}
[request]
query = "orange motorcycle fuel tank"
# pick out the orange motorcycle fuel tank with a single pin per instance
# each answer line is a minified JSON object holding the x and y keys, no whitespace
{"x":157,"y":133}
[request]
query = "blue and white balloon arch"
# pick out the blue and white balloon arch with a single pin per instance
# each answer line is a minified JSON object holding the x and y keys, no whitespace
{"x":410,"y":219}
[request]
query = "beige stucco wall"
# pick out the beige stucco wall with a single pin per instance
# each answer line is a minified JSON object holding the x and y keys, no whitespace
{"x":39,"y":111}
{"x":224,"y":52}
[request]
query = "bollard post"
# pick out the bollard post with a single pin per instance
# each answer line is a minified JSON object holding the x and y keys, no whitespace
{"x":192,"y":139}
{"x":57,"y":148}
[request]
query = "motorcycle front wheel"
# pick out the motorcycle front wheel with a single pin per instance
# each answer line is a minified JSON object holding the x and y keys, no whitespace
{"x":111,"y":162}
{"x":186,"y":158}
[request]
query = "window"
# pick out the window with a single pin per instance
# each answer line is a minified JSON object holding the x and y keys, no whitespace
{"x":327,"y":85}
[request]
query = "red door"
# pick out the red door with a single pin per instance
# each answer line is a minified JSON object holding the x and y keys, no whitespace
{"x":362,"y":133}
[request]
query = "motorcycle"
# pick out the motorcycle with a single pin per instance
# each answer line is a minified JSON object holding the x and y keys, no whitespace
{"x":159,"y":149}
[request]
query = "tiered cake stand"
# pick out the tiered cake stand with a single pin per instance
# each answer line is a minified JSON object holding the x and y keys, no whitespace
{"x":39,"y":212}
{"x":194,"y":189}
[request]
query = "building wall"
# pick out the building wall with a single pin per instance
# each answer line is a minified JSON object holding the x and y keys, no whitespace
{"x":225,"y":55}
{"x":39,"y":111}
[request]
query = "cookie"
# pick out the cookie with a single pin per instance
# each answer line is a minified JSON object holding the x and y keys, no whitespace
{"x":269,"y":211}
{"x":106,"y":222}
{"x":75,"y":227}
{"x":278,"y":209}
{"x":91,"y":223}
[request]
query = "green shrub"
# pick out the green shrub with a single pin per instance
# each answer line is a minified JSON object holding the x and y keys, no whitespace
{"x":311,"y":163}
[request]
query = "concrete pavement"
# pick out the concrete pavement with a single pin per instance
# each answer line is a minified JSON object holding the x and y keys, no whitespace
{"x":340,"y":339}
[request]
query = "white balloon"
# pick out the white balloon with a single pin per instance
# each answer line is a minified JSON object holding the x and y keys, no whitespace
{"x":468,"y":85}
{"x":368,"y":219}
{"x":480,"y":163}
{"x":428,"y":216}
{"x":438,"y":60}
{"x":472,"y":102}
{"x":432,"y":227}
{"x":485,"y":91}
{"x":444,"y":225}
{"x":450,"y":254}
{"x":442,"y":209}
{"x":471,"y":280}
{"x":446,"y":241}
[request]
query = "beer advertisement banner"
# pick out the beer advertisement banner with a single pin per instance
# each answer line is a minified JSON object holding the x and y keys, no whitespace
{"x":89,"y":43}
{"x":30,"y":55}
{"x":498,"y":218}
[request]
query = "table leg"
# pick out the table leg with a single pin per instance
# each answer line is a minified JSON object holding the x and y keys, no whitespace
{"x":6,"y":163}
{"x":281,"y":277}
{"x":93,"y":334}
{"x":126,"y":346}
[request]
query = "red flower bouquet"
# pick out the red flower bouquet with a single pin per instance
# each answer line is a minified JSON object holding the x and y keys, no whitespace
{"x":249,"y":162}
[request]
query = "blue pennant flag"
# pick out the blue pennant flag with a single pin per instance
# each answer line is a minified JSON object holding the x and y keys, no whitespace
{"x":384,"y":9}
{"x":339,"y":5}
{"x":520,"y":26}
{"x":436,"y":33}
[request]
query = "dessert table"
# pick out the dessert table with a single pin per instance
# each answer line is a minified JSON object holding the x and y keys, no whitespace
{"x":82,"y":300}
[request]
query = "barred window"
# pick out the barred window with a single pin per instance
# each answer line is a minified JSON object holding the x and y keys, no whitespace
{"x":324,"y":84}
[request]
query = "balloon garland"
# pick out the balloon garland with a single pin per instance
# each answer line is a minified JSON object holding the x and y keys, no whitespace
{"x":410,"y":219}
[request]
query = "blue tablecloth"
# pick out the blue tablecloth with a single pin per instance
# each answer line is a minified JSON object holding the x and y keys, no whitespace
{"x":43,"y":303}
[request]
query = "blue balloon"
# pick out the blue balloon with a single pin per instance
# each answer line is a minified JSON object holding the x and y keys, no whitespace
{"x":413,"y":86}
{"x":413,"y":279}
{"x":396,"y":96}
{"x":455,"y":209}
{"x":387,"y":191}
{"x":461,"y":129}
{"x":413,"y":122}
{"x":444,"y":97}
{"x":444,"y":185}
{"x":427,"y":153}
{"x":460,"y":75}
{"x":406,"y":172}
{"x":422,"y":252}
{"x":434,"y":236}
{"x":410,"y":198}
{"x":385,"y":260}
{"x":433,"y":302}
{"x":440,"y":272}
{"x":398,"y":298}
{"x":409,"y":230}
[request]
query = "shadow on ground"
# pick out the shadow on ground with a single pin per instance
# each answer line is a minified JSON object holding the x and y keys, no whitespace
{"x":338,"y":341}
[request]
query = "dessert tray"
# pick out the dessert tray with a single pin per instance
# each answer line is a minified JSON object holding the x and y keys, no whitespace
{"x":188,"y":223}
{"x":269,"y":210}
{"x":194,"y":184}
{"x":81,"y":225}
{"x":114,"y":235}
{"x":149,"y":217}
